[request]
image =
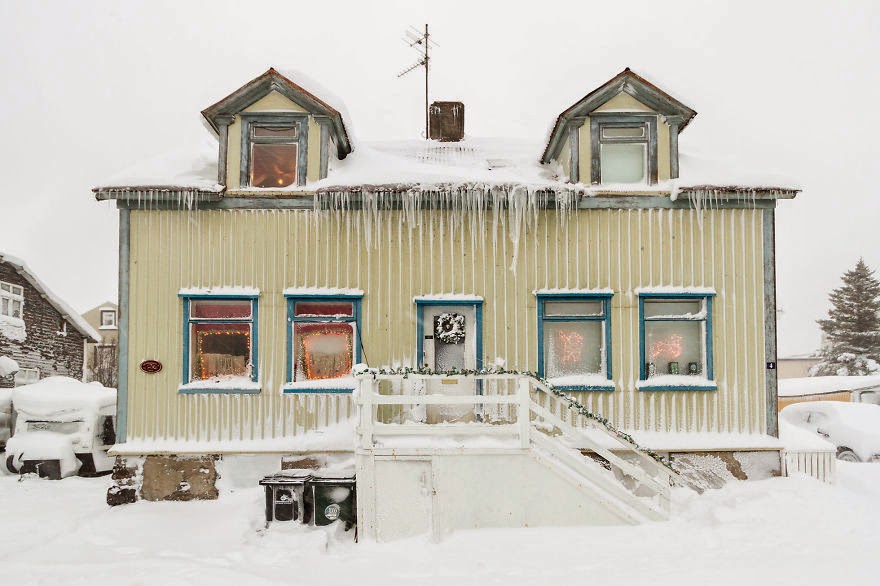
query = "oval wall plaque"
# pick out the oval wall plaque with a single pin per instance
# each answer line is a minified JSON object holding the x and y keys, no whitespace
{"x":151,"y":366}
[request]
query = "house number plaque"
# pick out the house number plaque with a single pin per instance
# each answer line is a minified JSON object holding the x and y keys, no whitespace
{"x":151,"y":366}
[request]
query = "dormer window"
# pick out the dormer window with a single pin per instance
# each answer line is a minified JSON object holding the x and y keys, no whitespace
{"x":624,"y":148}
{"x":273,"y":153}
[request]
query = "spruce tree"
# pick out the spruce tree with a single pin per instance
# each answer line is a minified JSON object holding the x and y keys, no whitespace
{"x":853,"y":326}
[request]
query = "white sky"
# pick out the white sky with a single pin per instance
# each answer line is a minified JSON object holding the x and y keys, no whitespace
{"x":90,"y":88}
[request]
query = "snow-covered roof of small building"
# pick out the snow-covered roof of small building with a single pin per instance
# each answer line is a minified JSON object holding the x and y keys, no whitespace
{"x":57,"y":396}
{"x":817,"y":385}
{"x":65,"y":310}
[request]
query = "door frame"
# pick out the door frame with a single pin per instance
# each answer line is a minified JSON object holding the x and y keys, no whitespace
{"x":421,"y":304}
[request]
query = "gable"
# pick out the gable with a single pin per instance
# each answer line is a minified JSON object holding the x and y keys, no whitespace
{"x":623,"y":102}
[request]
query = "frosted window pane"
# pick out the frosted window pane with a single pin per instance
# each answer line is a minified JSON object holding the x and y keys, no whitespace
{"x":323,"y":308}
{"x":273,"y":165}
{"x":673,"y":308}
{"x":220,"y":308}
{"x":572,"y":348}
{"x":623,"y":163}
{"x":671,"y":344}
{"x":322,"y":350}
{"x":564,"y":308}
{"x":623,"y":132}
{"x":275,"y":132}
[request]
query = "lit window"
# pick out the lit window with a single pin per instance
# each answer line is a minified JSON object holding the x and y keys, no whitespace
{"x":624,"y":148}
{"x":220,"y":342}
{"x":574,"y":341}
{"x":273,"y":150}
{"x":676,"y":342}
{"x":11,"y":300}
{"x":323,"y":342}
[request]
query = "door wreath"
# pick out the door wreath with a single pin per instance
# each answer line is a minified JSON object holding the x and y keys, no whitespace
{"x":449,"y":328}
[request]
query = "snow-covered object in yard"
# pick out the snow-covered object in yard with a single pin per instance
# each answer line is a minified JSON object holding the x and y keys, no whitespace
{"x":8,"y":366}
{"x":5,"y":415}
{"x":65,"y":310}
{"x":63,"y":419}
{"x":818,"y":385}
{"x":852,"y":427}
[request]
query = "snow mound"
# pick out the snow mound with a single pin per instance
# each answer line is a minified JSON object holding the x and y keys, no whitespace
{"x":57,"y":396}
{"x":8,"y":366}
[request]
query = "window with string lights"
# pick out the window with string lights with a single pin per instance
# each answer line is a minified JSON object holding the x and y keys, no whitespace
{"x":273,"y":149}
{"x":323,"y":343}
{"x":675,"y":341}
{"x":574,"y":340}
{"x":220,"y":344}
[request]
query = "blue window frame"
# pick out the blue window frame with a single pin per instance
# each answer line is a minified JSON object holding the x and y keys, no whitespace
{"x":675,"y":342}
{"x":220,"y":347}
{"x":323,"y":342}
{"x":574,"y":340}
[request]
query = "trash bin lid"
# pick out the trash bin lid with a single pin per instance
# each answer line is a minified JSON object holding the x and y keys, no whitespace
{"x":332,"y":478}
{"x":287,"y":477}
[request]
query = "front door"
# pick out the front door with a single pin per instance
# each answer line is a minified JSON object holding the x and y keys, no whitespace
{"x":450,"y":340}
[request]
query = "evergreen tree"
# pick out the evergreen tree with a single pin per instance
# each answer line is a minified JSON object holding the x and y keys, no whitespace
{"x":853,"y":326}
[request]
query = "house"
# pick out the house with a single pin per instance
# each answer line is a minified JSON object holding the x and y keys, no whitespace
{"x":102,"y":360}
{"x":797,"y":366}
{"x":38,"y":331}
{"x":602,"y":262}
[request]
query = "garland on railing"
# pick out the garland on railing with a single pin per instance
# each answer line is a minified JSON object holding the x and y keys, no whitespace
{"x":573,"y":403}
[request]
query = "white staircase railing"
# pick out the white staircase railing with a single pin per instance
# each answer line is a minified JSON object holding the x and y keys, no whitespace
{"x":525,"y":414}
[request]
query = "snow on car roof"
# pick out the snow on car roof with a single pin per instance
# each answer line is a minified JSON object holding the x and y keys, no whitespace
{"x":56,"y":396}
{"x":816,"y":385}
{"x":862,"y":417}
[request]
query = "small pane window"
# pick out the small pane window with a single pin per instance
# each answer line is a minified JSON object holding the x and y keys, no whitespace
{"x":108,"y":318}
{"x":11,"y":300}
{"x":314,"y":309}
{"x":221,"y":308}
{"x":623,"y":132}
{"x":573,"y":343}
{"x":275,"y":131}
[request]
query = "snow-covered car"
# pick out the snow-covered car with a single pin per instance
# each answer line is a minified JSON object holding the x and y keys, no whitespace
{"x":62,"y":427}
{"x":853,"y":427}
{"x":5,"y":416}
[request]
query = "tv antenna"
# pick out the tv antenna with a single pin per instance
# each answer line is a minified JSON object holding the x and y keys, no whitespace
{"x":421,"y":42}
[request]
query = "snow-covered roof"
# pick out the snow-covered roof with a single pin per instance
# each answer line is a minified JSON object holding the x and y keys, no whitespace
{"x":817,"y":385}
{"x":427,"y":163}
{"x":65,"y":310}
{"x":60,"y":396}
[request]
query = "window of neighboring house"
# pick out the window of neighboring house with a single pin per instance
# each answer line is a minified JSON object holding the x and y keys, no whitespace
{"x":273,"y":150}
{"x":676,"y":342}
{"x":220,"y":344}
{"x":108,"y":318}
{"x":624,"y":148}
{"x":574,"y":340}
{"x":26,"y":376}
{"x":11,"y":300}
{"x":323,"y":343}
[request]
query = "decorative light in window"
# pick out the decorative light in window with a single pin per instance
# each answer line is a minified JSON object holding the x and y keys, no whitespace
{"x":273,"y":165}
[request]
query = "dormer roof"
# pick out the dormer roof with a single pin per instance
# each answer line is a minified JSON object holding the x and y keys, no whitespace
{"x":313,"y":100}
{"x":624,"y":82}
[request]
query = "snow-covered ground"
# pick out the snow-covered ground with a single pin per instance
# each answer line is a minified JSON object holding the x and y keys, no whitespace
{"x":779,"y":531}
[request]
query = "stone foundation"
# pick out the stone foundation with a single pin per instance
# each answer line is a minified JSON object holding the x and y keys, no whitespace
{"x":163,"y":478}
{"x":704,"y":470}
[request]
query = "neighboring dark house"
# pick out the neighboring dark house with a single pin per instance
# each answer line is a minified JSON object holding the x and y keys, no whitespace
{"x":102,"y":358}
{"x":38,"y":331}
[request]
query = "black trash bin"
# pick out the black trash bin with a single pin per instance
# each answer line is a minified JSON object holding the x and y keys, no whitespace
{"x":332,"y":498}
{"x":285,"y":496}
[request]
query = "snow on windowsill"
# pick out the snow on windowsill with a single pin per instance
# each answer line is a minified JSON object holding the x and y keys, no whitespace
{"x":231,"y":384}
{"x":12,"y":328}
{"x":108,"y":328}
{"x":316,"y":291}
{"x":588,"y":381}
{"x":669,"y":290}
{"x":219,"y":291}
{"x":676,"y":381}
{"x":566,"y":291}
{"x":448,"y":297}
{"x":345,"y":384}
